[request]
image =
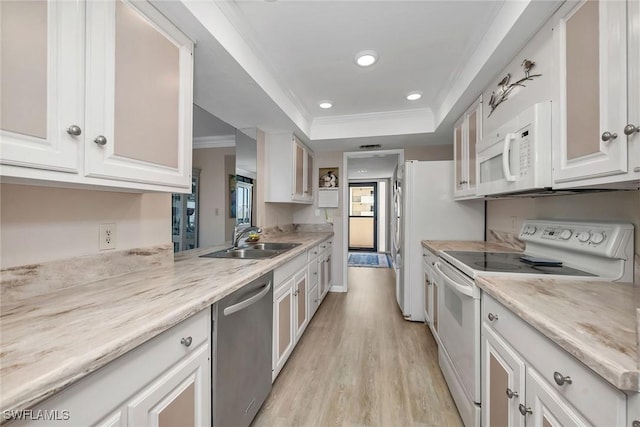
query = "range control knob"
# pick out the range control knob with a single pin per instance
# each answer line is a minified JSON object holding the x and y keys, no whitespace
{"x":565,"y":234}
{"x":530,"y":229}
{"x":584,"y":236}
{"x":597,"y":238}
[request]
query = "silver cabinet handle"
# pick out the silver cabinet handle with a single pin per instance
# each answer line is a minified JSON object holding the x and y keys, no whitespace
{"x":608,"y":136}
{"x":100,"y":140}
{"x":74,"y":130}
{"x":186,"y":341}
{"x":492,"y":317}
{"x":630,"y":130}
{"x":511,"y":394}
{"x":295,"y":294}
{"x":561,"y":379}
{"x":524,"y":410}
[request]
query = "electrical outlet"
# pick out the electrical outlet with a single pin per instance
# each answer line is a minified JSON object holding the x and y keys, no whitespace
{"x":107,"y":237}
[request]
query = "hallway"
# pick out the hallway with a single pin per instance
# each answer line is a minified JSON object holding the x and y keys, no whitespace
{"x":359,"y":363}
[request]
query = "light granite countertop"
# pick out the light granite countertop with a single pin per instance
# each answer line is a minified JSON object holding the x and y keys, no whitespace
{"x":50,"y":341}
{"x":593,"y":321}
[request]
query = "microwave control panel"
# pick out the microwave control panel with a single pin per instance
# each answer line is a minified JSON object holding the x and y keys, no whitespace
{"x":525,"y":152}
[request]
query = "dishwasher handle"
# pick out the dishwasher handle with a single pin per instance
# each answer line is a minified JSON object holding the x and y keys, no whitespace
{"x":249,"y":301}
{"x":465,"y":290}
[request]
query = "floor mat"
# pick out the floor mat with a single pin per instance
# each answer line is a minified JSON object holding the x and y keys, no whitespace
{"x":359,"y":259}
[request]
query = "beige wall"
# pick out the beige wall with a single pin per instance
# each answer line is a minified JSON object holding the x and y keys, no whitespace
{"x":214,"y":211}
{"x":429,"y":152}
{"x":40,"y":224}
{"x":616,"y":205}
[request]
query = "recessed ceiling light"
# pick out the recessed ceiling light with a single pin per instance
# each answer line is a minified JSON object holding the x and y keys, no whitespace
{"x":366,"y":58}
{"x":414,"y":96}
{"x":325,"y":104}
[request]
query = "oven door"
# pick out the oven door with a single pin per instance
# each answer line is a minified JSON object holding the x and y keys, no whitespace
{"x":459,"y":325}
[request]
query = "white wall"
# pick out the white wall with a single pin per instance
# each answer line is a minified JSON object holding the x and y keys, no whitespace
{"x":40,"y":224}
{"x":213,"y":195}
{"x":616,"y":205}
{"x":430,"y":152}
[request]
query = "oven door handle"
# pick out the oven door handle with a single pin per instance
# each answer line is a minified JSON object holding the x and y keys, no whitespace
{"x":506,"y":168}
{"x":465,"y":290}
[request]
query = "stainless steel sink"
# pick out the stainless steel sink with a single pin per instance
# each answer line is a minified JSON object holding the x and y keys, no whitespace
{"x":253,"y":251}
{"x":271,"y":246}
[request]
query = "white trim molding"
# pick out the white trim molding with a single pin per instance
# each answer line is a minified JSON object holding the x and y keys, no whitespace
{"x":218,"y":141}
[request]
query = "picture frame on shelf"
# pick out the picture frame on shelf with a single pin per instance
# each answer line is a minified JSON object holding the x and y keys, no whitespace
{"x":328,"y":177}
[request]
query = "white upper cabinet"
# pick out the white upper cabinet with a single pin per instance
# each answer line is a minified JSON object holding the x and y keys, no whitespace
{"x":110,"y":99}
{"x":597,"y":44}
{"x":289,"y":165}
{"x":41,"y":84}
{"x":466,"y":134}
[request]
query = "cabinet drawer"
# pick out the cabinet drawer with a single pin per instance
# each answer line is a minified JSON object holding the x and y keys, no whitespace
{"x":282,"y":273}
{"x":592,"y":396}
{"x":313,"y":253}
{"x":429,"y":257}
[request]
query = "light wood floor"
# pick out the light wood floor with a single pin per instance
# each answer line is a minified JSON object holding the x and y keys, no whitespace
{"x":360,"y":364}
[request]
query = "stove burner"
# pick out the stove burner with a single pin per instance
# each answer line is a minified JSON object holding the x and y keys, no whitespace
{"x":497,"y":266}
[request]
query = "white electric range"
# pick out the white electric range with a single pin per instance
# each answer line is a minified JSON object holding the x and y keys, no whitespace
{"x":558,"y":249}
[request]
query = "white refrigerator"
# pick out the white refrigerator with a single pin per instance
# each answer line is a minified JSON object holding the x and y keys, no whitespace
{"x":424,"y":209}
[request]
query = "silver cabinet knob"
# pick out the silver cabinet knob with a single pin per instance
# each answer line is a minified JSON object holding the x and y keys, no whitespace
{"x":608,"y":136}
{"x":100,"y":140}
{"x":636,"y":423}
{"x":511,"y":394}
{"x":524,"y":410}
{"x":74,"y":130}
{"x":186,"y":341}
{"x":492,"y":317}
{"x":630,"y":130}
{"x":561,"y":379}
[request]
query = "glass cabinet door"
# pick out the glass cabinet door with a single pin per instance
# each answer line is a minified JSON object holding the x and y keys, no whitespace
{"x":184,"y":229}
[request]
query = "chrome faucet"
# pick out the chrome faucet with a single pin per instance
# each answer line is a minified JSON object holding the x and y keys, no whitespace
{"x":239,"y":234}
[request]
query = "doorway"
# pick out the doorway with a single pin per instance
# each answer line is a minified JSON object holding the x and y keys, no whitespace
{"x":363,"y":216}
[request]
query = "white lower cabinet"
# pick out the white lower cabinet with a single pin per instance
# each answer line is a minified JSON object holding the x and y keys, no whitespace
{"x":430,"y":292}
{"x":299,"y":287}
{"x":530,"y":381}
{"x":165,"y":382}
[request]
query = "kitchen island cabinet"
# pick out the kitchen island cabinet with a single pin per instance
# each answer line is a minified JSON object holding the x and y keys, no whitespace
{"x":106,"y":98}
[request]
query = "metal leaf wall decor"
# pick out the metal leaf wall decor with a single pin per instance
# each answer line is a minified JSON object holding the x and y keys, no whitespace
{"x":505,"y":87}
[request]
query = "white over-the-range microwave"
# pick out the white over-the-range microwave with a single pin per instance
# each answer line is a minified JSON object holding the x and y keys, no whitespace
{"x":516,"y":157}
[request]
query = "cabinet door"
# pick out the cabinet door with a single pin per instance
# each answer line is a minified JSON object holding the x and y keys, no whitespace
{"x":633,"y":139}
{"x":503,"y":378}
{"x":139,"y":96}
{"x":283,"y":333}
{"x":428,"y":307}
{"x":474,"y":135}
{"x":434,"y":323}
{"x":545,"y":408}
{"x":458,"y":156}
{"x":178,"y":397}
{"x":301,"y":304}
{"x":298,"y":170}
{"x":41,"y":83}
{"x":308,"y":192}
{"x":593,"y":94}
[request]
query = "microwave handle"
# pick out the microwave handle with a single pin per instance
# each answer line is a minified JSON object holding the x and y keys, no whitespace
{"x":506,"y":169}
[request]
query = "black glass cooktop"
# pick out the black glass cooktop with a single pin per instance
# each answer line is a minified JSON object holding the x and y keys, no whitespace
{"x":510,"y":263}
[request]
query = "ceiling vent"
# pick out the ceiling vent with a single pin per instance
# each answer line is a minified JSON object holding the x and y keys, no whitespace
{"x":370,"y":146}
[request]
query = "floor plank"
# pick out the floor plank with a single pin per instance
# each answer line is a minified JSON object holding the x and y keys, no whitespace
{"x":359,"y":363}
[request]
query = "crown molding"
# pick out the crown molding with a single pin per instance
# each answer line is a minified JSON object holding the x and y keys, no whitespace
{"x":219,"y":141}
{"x":420,"y":120}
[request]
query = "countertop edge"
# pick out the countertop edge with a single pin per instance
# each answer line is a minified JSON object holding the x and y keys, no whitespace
{"x":620,"y":377}
{"x":65,"y":376}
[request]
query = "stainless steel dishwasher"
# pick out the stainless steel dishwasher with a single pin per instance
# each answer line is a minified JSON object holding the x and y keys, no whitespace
{"x":242,"y":375}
